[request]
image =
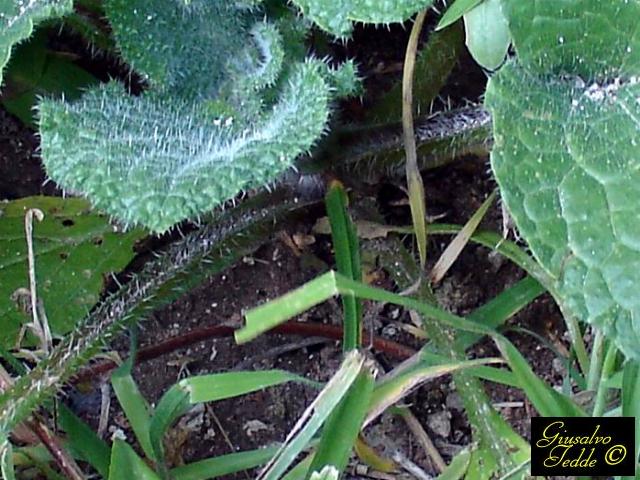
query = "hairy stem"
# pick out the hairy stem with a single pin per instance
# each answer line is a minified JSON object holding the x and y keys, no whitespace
{"x":376,"y":151}
{"x":185,"y":264}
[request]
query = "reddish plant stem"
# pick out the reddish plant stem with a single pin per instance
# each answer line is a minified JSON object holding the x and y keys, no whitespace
{"x":389,"y":347}
{"x":65,"y":462}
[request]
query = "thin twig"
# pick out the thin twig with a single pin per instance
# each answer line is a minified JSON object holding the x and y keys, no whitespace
{"x":424,"y":439}
{"x":402,"y":460}
{"x":65,"y":462}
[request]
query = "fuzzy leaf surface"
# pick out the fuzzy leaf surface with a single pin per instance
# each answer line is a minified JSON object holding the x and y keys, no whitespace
{"x":74,"y":251}
{"x":18,"y":18}
{"x":182,"y":47}
{"x":566,"y":159}
{"x":589,"y":38}
{"x":154,"y":161}
{"x":336,"y":16}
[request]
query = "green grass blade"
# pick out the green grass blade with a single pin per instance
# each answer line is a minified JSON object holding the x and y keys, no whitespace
{"x":299,"y":472}
{"x":172,"y":405}
{"x":631,"y":400}
{"x":545,"y":399}
{"x":209,"y":388}
{"x":457,"y":469}
{"x":314,"y":416}
{"x":219,"y":386}
{"x":125,"y":464}
{"x":83,"y":442}
{"x":273,"y":313}
{"x":134,"y":405}
{"x":484,"y":372}
{"x":342,"y":428}
{"x":347,"y":252}
{"x":498,"y":310}
{"x":223,"y":465}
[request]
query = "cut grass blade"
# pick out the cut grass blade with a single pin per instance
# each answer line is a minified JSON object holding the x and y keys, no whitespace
{"x":223,"y":465}
{"x":415,"y":185}
{"x":273,"y":313}
{"x":314,"y":416}
{"x":347,"y":254}
{"x":341,"y":430}
{"x":453,"y":250}
{"x":220,"y":386}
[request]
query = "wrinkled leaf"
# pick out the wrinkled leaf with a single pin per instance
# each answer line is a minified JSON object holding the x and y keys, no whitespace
{"x":593,"y":39}
{"x":566,"y":159}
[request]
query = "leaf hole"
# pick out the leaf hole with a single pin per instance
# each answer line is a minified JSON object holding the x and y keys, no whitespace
{"x":64,"y":255}
{"x":67,"y":222}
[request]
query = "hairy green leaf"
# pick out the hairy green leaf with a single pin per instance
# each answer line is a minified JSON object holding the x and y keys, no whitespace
{"x":336,"y":16}
{"x":74,"y":250}
{"x":155,"y":161}
{"x":18,"y":18}
{"x":566,"y":159}
{"x":183,"y":47}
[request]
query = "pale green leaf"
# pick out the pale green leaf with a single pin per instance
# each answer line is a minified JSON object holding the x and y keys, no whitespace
{"x":488,"y":36}
{"x":455,"y":11}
